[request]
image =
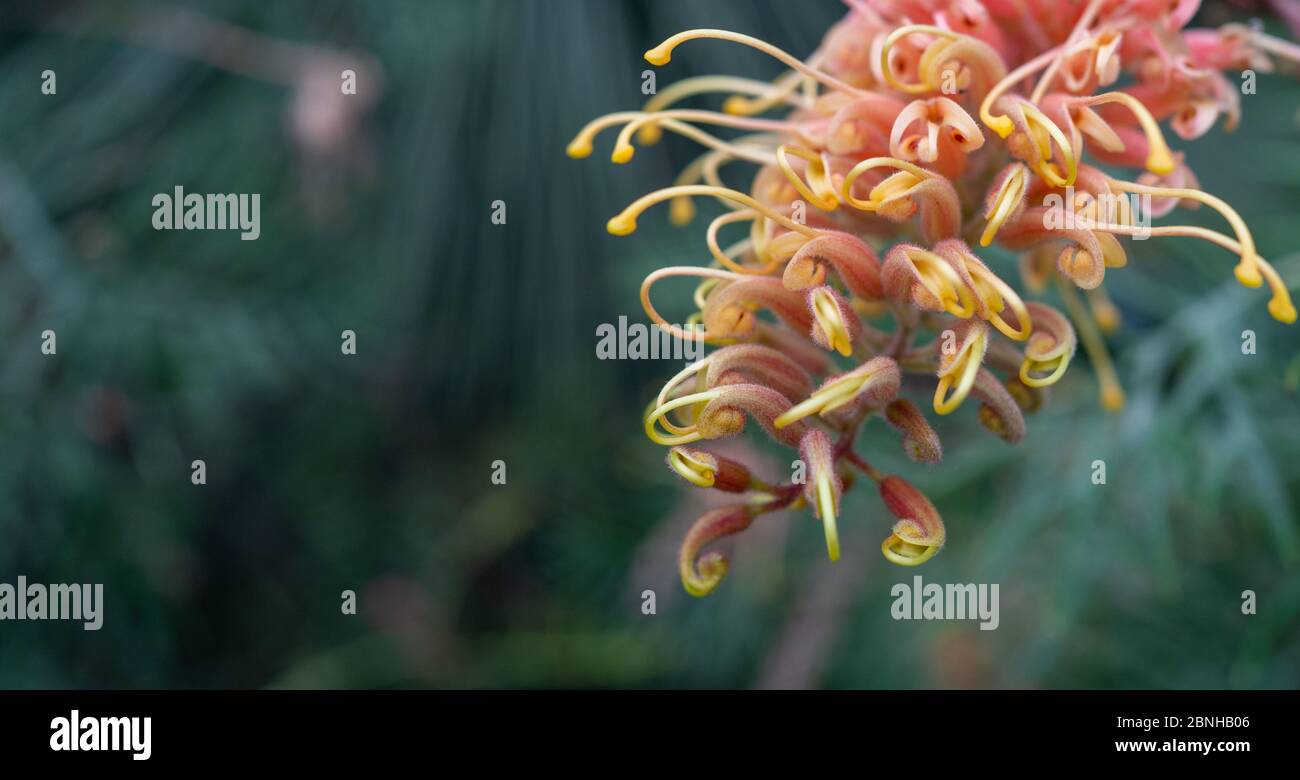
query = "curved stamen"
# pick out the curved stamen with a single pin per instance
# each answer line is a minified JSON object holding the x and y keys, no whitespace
{"x":1280,"y":305}
{"x":1247,"y":271}
{"x":690,"y":433}
{"x":624,"y":150}
{"x":1159,"y":159}
{"x":1050,"y":349}
{"x":899,"y":34}
{"x":964,"y":366}
{"x":724,"y":257}
{"x":819,"y":190}
{"x":1044,"y":166}
{"x":692,"y":468}
{"x":826,"y":511}
{"x":1009,"y":197}
{"x":701,"y":573}
{"x":878,"y":376}
{"x":662,"y":54}
{"x":830,"y":319}
{"x":781,"y":90}
{"x":937,"y":276}
{"x":698,"y":85}
{"x":680,"y":270}
{"x":1112,"y":392}
{"x":1002,"y":125}
{"x":881,"y":192}
{"x":624,"y":223}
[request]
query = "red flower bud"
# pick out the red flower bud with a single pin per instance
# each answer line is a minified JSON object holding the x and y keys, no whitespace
{"x":919,"y":533}
{"x":920,"y":441}
{"x":705,"y":469}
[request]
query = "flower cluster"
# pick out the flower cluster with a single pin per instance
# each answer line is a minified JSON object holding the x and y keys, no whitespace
{"x":917,"y":134}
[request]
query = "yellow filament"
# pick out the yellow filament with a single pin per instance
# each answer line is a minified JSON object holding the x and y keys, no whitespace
{"x":1045,"y":167}
{"x":942,"y":281}
{"x":691,"y":433}
{"x":581,"y":145}
{"x":997,"y":295}
{"x":1002,"y":125}
{"x":947,"y":36}
{"x":692,"y":470}
{"x":835,"y":394}
{"x":1057,"y":365}
{"x":680,"y":270}
{"x":695,"y":370}
{"x":625,"y":222}
{"x":1112,"y":393}
{"x":662,"y":54}
{"x":1247,"y":270}
{"x":1280,"y":305}
{"x":878,"y":195}
{"x":831,"y":320}
{"x":966,"y":364}
{"x":724,"y":257}
{"x":819,"y":191}
{"x":650,"y":134}
{"x":826,"y":509}
{"x":1008,"y":197}
{"x":780,"y":91}
{"x":1159,"y":159}
{"x":898,"y":550}
{"x":1104,"y":310}
{"x":676,"y":120}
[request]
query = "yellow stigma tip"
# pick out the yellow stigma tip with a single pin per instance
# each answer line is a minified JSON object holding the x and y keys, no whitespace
{"x":681,"y":212}
{"x":622,"y":154}
{"x":621,"y":226}
{"x":658,"y":56}
{"x":649,"y":135}
{"x":1112,"y":399}
{"x":1282,"y":310}
{"x":735,"y":106}
{"x":1160,"y":163}
{"x":1248,"y":275}
{"x":1002,"y":126}
{"x":578,"y":150}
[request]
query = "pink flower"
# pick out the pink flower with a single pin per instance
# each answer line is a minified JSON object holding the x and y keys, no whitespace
{"x":918,"y":133}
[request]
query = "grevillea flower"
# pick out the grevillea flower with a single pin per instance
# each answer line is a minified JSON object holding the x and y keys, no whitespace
{"x":919,"y":134}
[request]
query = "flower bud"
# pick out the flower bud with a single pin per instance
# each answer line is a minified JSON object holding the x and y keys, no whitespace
{"x":835,"y":325}
{"x":705,"y":469}
{"x":874,"y":383}
{"x":702,"y":573}
{"x":920,"y":441}
{"x":728,"y":313}
{"x":725,"y":415}
{"x":853,"y":261}
{"x":919,"y":533}
{"x":999,"y":411}
{"x":823,"y":487}
{"x":1049,"y":349}
{"x":758,"y":364}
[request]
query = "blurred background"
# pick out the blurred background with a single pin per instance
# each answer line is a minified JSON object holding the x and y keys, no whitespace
{"x":476,"y":343}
